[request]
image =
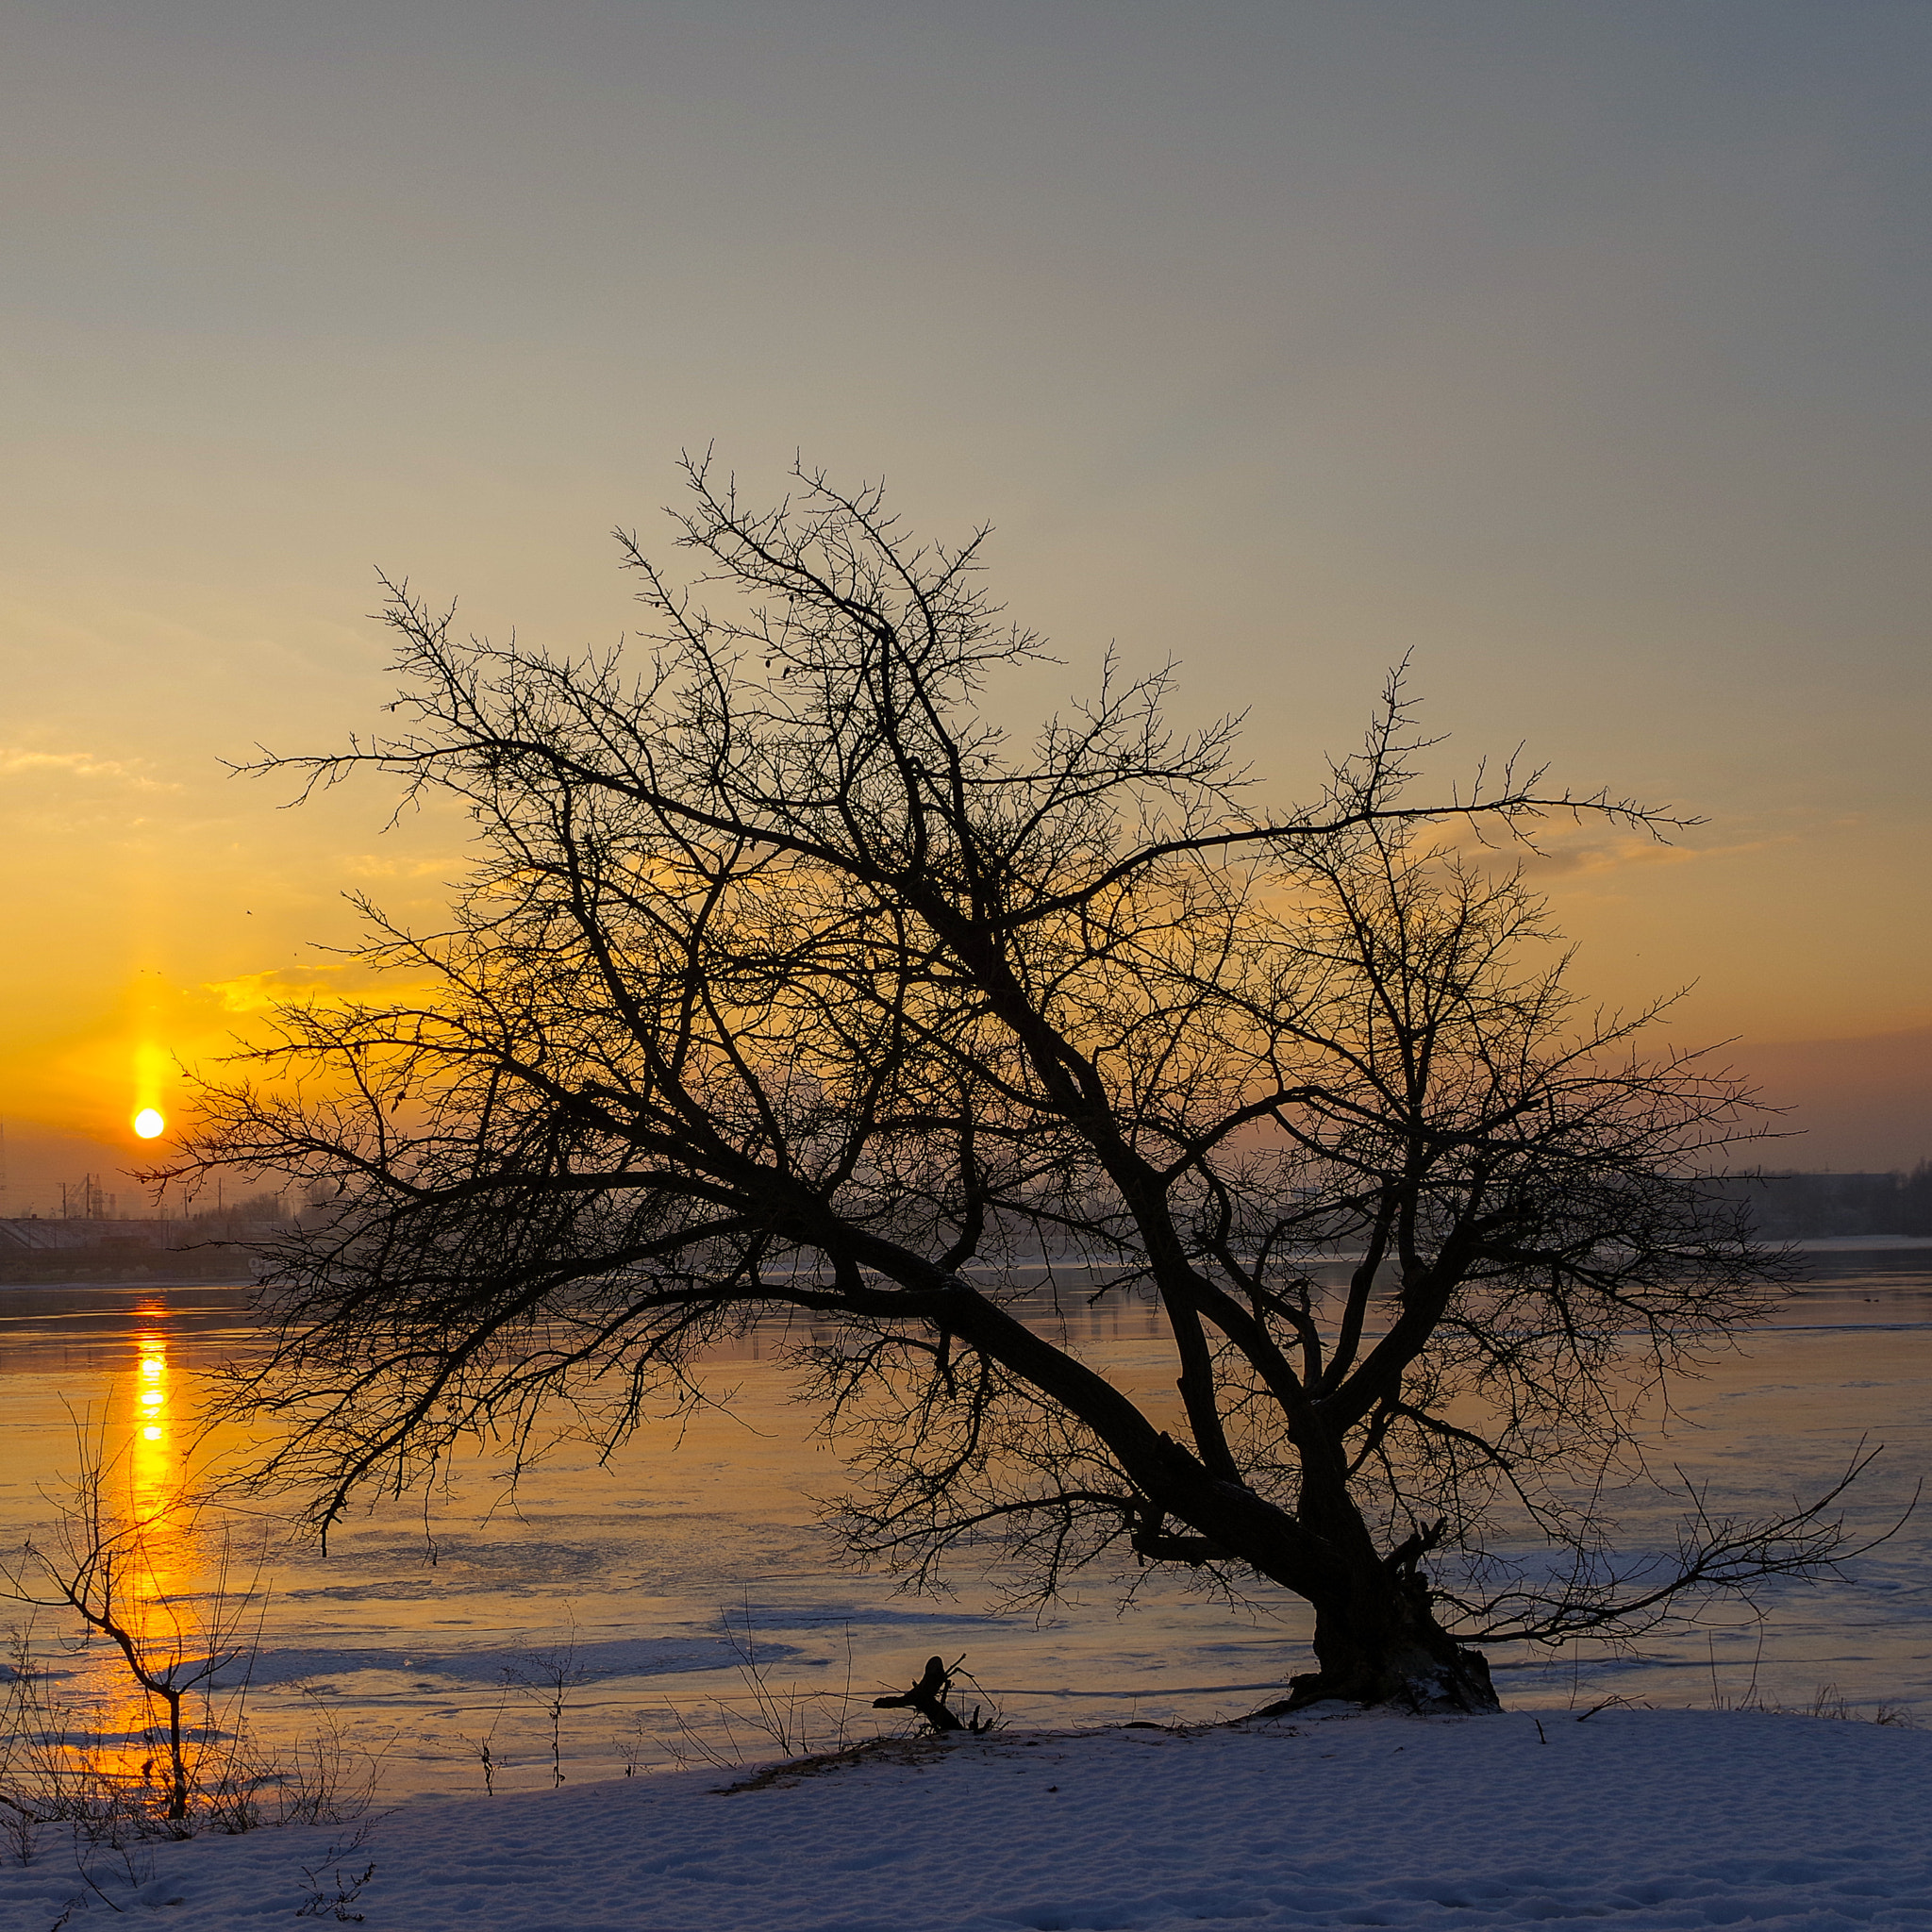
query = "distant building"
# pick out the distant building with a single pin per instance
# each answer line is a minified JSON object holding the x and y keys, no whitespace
{"x":1808,"y":1206}
{"x":77,"y":1248}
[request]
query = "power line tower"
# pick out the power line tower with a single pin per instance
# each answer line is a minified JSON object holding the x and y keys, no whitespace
{"x":84,"y":1199}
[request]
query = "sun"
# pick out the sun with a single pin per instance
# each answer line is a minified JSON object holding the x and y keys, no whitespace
{"x":148,"y":1123}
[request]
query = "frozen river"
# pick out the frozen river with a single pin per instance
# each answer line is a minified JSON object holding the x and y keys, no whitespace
{"x":622,"y":1580}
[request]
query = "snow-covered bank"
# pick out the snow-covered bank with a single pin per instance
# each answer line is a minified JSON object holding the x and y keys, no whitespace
{"x":1647,"y":1818}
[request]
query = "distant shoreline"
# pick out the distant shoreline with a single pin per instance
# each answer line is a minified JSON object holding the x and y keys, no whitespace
{"x":232,"y":1268}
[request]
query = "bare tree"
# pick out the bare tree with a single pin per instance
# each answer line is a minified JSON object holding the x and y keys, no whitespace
{"x":104,"y":1561}
{"x":785,"y":981}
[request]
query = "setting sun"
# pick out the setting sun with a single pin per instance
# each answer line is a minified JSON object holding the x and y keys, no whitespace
{"x":148,"y":1123}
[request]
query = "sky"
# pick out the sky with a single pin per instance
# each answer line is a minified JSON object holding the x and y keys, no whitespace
{"x":1576,"y":351}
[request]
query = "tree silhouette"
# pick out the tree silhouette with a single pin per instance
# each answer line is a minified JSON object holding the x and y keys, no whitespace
{"x":785,"y":981}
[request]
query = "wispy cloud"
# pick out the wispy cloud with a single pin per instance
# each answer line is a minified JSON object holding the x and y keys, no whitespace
{"x":1584,"y":861}
{"x":313,"y":986}
{"x":257,"y":993}
{"x":16,"y":761}
{"x":361,"y":865}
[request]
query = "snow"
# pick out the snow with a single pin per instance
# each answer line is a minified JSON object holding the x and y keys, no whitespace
{"x":1640,"y":1818}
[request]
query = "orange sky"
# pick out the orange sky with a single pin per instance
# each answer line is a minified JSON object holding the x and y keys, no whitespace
{"x":1578,"y":352}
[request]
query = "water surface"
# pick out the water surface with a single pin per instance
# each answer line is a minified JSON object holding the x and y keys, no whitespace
{"x":630,"y":1591}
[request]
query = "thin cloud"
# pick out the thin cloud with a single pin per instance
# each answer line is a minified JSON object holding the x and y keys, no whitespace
{"x":257,"y":993}
{"x":17,"y":761}
{"x":316,"y":986}
{"x":1621,"y":855}
{"x":366,"y":866}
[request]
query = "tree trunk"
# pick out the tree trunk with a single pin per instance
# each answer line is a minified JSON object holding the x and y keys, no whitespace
{"x":177,"y":1758}
{"x":1376,"y":1638}
{"x":1405,"y":1659}
{"x":1378,"y":1643}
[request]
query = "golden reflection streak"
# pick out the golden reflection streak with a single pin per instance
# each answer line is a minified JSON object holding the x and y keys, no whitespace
{"x":167,"y":1566}
{"x":154,"y":1462}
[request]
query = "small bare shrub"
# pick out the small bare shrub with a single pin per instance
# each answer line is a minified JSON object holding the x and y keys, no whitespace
{"x":546,"y":1678}
{"x":347,"y":1888}
{"x":1827,"y":1703}
{"x":188,"y":1760}
{"x":791,"y":1720}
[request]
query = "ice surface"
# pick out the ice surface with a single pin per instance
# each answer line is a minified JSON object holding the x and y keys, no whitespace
{"x":1641,"y":1819}
{"x":691,"y":1537}
{"x":582,"y":1663}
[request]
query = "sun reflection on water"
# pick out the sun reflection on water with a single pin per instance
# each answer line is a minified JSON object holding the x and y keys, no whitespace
{"x":167,"y":1569}
{"x":155,"y":1464}
{"x":129,"y":1536}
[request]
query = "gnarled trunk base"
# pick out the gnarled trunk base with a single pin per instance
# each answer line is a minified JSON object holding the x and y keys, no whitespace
{"x":1411,"y":1678}
{"x":1379,"y":1643}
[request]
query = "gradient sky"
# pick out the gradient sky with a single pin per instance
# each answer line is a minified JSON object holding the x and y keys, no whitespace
{"x":1580,"y":350}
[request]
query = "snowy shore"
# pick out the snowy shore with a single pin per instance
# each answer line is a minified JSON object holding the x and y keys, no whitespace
{"x":1641,"y":1818}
